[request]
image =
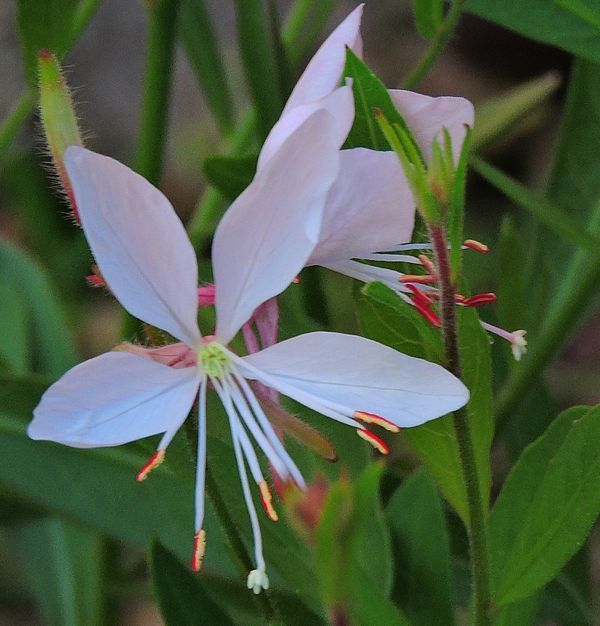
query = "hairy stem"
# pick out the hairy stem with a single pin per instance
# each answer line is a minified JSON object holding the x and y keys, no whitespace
{"x":477,"y":511}
{"x":438,"y":43}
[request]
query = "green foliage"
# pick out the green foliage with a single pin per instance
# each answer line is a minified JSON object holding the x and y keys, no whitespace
{"x":202,"y":49}
{"x":573,"y":25}
{"x":65,"y":564}
{"x":180,"y":594}
{"x":369,"y":94}
{"x":429,"y":15}
{"x":353,"y":553}
{"x":230,"y":175}
{"x":386,"y":318}
{"x":547,"y":505}
{"x":46,"y":345}
{"x":423,"y":584}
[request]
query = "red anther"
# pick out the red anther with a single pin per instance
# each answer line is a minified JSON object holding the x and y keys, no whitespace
{"x":428,"y":264}
{"x":198,"y":550}
{"x":420,"y":295}
{"x":479,"y":299}
{"x":372,"y":418}
{"x":423,"y":279}
{"x":267,"y":500}
{"x":374,"y":440}
{"x":477,"y":246}
{"x":155,"y":461}
{"x":428,"y":314}
{"x":297,"y":280}
{"x":458,"y":297}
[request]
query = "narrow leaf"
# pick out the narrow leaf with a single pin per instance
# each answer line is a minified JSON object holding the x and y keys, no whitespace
{"x":429,"y":15}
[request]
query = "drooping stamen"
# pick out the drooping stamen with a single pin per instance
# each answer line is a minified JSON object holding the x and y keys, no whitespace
{"x":372,"y":418}
{"x":420,"y":295}
{"x":427,"y":313}
{"x":473,"y":244}
{"x":423,"y":279}
{"x":199,"y":549}
{"x":267,"y":500}
{"x":479,"y":299}
{"x":428,"y":264}
{"x":374,"y":440}
{"x":155,"y":460}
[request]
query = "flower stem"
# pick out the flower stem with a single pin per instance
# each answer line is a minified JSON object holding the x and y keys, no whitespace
{"x":438,"y":43}
{"x":477,"y":511}
{"x":155,"y":107}
{"x":15,"y":119}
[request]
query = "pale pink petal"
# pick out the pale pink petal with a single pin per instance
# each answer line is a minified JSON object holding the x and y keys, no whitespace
{"x":360,"y":375}
{"x":427,"y":116}
{"x":339,"y":103}
{"x":369,"y":208}
{"x":139,"y":243}
{"x":324,"y":72}
{"x":268,"y":233}
{"x":113,"y":399}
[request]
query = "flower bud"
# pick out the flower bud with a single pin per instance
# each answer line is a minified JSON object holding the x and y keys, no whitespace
{"x":58,"y":117}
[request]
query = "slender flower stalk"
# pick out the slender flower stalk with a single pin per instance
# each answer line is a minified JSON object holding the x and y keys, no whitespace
{"x":477,"y":528}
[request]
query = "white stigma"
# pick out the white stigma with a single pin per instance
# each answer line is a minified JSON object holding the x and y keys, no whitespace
{"x":518,"y":344}
{"x":258,"y":580}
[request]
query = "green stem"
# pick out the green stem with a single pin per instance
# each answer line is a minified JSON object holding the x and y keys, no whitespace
{"x":568,"y":306}
{"x":16,"y":118}
{"x":438,"y":43}
{"x":477,"y":511}
{"x":84,"y":13}
{"x":155,"y":107}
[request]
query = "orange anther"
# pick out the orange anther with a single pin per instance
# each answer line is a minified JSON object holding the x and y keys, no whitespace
{"x":419,"y":294}
{"x":427,"y":264}
{"x":267,"y":500}
{"x":427,"y":313}
{"x":477,"y":246}
{"x":372,"y":418}
{"x":154,"y":461}
{"x":199,"y":549}
{"x":425,"y":279}
{"x":374,"y":440}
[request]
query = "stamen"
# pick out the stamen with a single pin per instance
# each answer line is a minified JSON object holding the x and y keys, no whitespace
{"x":154,"y":462}
{"x":428,"y":264}
{"x":374,"y":440}
{"x":425,"y":279}
{"x":199,"y":549}
{"x":267,"y":500}
{"x":479,"y":299}
{"x":296,"y":280}
{"x":419,"y":294}
{"x":372,"y":418}
{"x":427,"y":313}
{"x":477,"y":246}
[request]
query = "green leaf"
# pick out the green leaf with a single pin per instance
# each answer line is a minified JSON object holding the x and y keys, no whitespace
{"x":416,"y":518}
{"x":230,"y":175}
{"x":429,"y":15}
{"x":202,"y":49}
{"x":573,"y":25}
{"x":389,"y":320}
{"x":258,"y":56}
{"x":547,"y":505}
{"x":180,"y":594}
{"x":370,"y":94}
{"x":522,"y":613}
{"x":15,"y":347}
{"x":495,"y":117}
{"x":53,"y":352}
{"x":65,"y":564}
{"x":52,"y":24}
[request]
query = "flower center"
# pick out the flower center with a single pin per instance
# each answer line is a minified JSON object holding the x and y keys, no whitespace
{"x":214,"y":360}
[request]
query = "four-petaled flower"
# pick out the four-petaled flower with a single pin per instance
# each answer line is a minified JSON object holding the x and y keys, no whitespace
{"x":261,"y":244}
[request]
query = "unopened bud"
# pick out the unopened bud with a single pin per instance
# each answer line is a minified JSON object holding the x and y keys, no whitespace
{"x":58,"y":117}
